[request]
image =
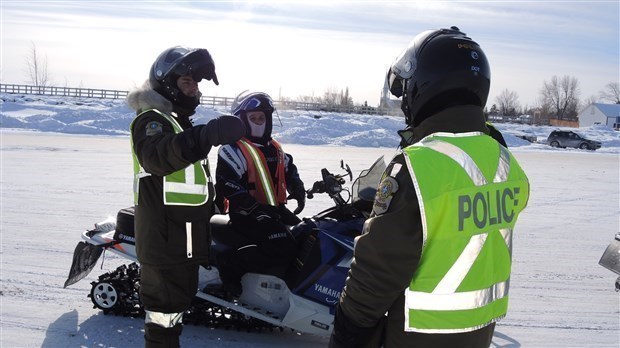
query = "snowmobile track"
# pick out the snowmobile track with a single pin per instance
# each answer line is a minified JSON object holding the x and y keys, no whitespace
{"x":117,"y":293}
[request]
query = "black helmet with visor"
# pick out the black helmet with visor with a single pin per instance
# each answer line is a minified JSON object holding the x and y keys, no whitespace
{"x":181,"y":61}
{"x":439,"y":65}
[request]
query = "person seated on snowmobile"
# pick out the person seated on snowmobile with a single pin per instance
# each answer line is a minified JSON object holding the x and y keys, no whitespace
{"x":253,"y":176}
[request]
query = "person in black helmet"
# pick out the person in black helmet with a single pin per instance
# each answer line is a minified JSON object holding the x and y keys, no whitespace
{"x":254,"y":176}
{"x":432,"y":266}
{"x":173,"y":192}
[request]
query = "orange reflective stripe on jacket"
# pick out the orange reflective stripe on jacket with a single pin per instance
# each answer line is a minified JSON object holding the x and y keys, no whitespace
{"x":258,"y":174}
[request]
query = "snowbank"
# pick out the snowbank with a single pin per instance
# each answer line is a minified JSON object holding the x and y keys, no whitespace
{"x":113,"y":117}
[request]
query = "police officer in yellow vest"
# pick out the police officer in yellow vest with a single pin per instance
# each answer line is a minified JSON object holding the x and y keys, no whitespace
{"x":432,"y":267}
{"x":255,"y":175}
{"x":173,"y":191}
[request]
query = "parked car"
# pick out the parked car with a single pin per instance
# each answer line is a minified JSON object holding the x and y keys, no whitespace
{"x":559,"y":138}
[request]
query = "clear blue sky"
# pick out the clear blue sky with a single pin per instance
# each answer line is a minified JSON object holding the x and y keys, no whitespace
{"x":305,"y":48}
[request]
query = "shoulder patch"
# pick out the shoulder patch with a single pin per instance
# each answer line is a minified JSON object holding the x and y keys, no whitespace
{"x":385,"y":192}
{"x":153,"y":128}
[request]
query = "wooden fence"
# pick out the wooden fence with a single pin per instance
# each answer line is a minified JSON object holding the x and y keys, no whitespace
{"x":62,"y":91}
{"x":205,"y":100}
{"x":564,"y":123}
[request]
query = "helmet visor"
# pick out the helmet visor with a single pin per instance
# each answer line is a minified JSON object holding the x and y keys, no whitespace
{"x":199,"y":64}
{"x":253,"y":101}
{"x":395,"y":83}
{"x":251,"y":104}
{"x":405,"y":65}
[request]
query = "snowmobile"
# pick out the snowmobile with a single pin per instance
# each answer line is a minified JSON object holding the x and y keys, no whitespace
{"x":611,"y":258}
{"x":304,"y":300}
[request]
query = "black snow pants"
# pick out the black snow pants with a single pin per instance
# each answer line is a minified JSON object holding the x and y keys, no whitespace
{"x":268,"y":248}
{"x":166,"y":294}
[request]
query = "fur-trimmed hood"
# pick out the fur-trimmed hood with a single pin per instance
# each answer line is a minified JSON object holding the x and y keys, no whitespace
{"x":144,"y":98}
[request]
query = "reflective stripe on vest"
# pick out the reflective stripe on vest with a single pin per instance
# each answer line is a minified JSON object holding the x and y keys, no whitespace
{"x":165,"y":320}
{"x":188,"y":186}
{"x":259,"y":174}
{"x":470,"y":191}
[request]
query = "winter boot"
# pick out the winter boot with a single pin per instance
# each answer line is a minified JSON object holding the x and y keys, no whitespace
{"x":156,"y":336}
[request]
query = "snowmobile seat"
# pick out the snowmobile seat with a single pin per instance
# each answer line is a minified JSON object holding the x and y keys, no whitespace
{"x":223,"y":233}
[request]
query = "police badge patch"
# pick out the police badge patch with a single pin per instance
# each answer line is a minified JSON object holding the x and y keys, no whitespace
{"x":153,"y":128}
{"x":385,"y":193}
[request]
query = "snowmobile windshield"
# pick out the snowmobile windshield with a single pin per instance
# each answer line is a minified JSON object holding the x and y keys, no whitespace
{"x":365,"y":186}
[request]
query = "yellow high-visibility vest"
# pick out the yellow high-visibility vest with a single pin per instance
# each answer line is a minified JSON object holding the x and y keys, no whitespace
{"x":470,"y":190}
{"x":188,"y":186}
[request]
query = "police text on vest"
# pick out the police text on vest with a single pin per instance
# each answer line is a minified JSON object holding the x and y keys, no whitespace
{"x":488,"y":208}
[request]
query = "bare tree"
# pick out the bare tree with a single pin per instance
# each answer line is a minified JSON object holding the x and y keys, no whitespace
{"x":543,"y":107}
{"x":611,"y":92}
{"x":593,"y":99}
{"x":307,"y":99}
{"x":561,"y":95}
{"x":37,"y":68}
{"x":508,"y":102}
{"x":331,"y":96}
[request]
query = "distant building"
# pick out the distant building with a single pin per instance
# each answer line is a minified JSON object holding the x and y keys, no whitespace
{"x":598,"y":113}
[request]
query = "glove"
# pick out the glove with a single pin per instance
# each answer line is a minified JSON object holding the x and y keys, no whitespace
{"x":262,"y":213}
{"x":225,"y":129}
{"x":299,"y":194}
{"x":347,"y":334}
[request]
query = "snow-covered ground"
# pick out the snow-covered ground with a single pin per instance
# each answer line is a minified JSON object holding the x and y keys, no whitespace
{"x":54,"y":186}
{"x":112,"y":117}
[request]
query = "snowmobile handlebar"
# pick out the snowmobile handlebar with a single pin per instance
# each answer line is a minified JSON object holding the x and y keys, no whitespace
{"x":332,"y":184}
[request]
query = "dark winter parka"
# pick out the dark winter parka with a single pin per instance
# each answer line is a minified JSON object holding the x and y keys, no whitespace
{"x":161,"y":230}
{"x":372,"y":304}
